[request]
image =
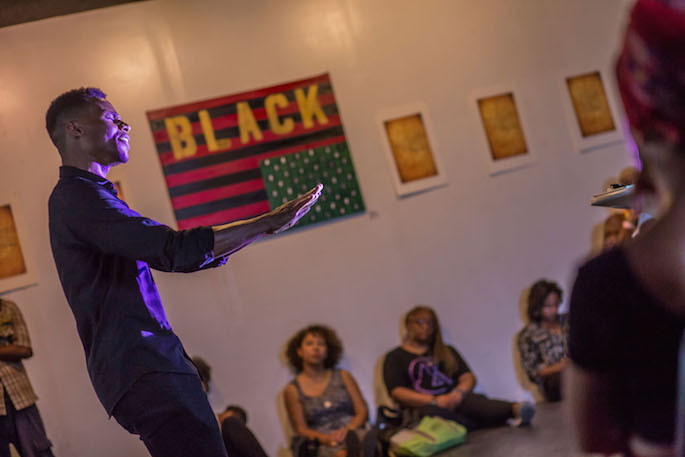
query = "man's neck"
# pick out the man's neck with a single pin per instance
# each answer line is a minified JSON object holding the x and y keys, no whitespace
{"x":89,"y":166}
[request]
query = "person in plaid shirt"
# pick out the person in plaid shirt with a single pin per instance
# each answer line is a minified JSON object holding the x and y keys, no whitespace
{"x":20,"y":422}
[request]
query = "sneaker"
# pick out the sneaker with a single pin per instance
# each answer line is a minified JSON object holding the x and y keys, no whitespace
{"x":526,"y":411}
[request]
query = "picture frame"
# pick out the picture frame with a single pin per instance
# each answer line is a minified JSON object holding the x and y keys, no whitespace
{"x":17,"y":270}
{"x":592,"y":114}
{"x":411,"y":148}
{"x":501,"y":116}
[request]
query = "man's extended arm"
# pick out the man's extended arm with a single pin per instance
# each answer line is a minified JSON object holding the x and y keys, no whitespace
{"x":232,"y":237}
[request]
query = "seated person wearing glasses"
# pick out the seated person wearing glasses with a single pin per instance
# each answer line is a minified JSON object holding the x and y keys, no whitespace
{"x":428,"y":378}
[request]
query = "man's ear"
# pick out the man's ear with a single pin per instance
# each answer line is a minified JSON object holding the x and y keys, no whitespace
{"x":74,"y":129}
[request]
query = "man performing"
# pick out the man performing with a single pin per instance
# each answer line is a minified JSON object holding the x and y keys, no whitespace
{"x":103,"y":251}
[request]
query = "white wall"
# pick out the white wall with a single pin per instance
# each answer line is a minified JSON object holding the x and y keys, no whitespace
{"x":468,"y":249}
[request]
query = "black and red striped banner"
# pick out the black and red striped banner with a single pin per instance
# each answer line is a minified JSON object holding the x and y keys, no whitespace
{"x":211,"y":151}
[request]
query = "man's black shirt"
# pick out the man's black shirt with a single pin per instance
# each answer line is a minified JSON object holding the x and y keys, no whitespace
{"x":103,"y":251}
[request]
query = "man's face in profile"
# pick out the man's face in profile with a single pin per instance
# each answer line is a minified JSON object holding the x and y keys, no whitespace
{"x":105,"y":136}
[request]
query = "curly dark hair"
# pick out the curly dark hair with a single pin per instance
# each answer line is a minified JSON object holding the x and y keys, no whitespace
{"x":334,"y":347}
{"x":538,"y":294}
{"x":69,"y":101}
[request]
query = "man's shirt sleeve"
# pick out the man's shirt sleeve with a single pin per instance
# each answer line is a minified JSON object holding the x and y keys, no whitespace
{"x":99,"y":219}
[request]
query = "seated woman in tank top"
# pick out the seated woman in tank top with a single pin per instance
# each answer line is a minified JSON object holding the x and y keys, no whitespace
{"x":324,"y":403}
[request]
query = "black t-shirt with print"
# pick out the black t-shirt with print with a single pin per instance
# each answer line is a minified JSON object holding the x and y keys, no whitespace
{"x":420,"y":372}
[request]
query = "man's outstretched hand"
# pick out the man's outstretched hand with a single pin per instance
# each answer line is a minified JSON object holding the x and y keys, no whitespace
{"x":287,"y":215}
{"x":230,"y":238}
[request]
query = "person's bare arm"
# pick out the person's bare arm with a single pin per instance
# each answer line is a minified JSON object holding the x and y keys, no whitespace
{"x":594,"y":411}
{"x":466,"y":382}
{"x":408,"y":397}
{"x":552,"y":369}
{"x":14,"y":353}
{"x":230,"y":238}
{"x":361,"y":412}
{"x":452,"y":399}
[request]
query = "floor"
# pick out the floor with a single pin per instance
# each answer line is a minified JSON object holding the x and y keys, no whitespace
{"x":548,"y":436}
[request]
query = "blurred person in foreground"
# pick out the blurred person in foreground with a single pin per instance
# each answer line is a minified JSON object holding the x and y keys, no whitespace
{"x":628,"y":305}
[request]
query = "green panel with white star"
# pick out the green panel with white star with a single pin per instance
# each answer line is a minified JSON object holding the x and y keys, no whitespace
{"x":287,"y":176}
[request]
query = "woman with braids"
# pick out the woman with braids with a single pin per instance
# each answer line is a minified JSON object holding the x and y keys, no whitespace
{"x":542,"y":342}
{"x":324,"y":403}
{"x":428,"y":378}
{"x":627,"y":309}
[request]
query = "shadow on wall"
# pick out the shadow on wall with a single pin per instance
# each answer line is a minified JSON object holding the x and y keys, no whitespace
{"x":521,"y":375}
{"x":288,"y":432}
{"x":381,"y":395}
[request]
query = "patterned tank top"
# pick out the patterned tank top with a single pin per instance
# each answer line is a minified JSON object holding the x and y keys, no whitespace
{"x":332,"y":409}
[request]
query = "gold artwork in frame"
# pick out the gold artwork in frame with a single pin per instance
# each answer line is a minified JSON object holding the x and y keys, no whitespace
{"x":11,"y":257}
{"x":590,"y":104}
{"x":502,"y":126}
{"x":411,"y":148}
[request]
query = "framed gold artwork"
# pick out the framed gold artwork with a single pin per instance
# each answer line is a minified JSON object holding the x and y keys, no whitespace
{"x":411,"y":149}
{"x":15,"y":266}
{"x":501,"y":117}
{"x":590,"y":111}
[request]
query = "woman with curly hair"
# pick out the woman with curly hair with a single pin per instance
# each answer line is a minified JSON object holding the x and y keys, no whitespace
{"x":542,"y":342}
{"x":324,"y":403}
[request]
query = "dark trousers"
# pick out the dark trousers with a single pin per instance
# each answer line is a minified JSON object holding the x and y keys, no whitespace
{"x":171,"y":414}
{"x":475,"y":411}
{"x":239,"y":440}
{"x":551,"y":387}
{"x":24,"y":429}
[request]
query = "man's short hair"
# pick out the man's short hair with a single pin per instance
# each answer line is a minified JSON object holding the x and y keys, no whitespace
{"x":69,"y":101}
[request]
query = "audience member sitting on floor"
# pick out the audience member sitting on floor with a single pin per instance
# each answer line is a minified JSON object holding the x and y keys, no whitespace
{"x":238,"y":439}
{"x":324,"y":403}
{"x":542,"y":342}
{"x":428,"y":378}
{"x":627,"y":310}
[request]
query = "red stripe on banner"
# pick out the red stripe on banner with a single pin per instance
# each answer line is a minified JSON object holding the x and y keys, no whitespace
{"x":220,"y":217}
{"x":214,"y":102}
{"x":168,"y":158}
{"x":218,"y":193}
{"x":235,"y":166}
{"x":231,"y":120}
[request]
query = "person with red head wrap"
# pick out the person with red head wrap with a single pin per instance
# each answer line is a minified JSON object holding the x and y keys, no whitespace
{"x":627,"y":310}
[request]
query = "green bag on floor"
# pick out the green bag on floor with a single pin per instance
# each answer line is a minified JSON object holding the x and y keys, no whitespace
{"x":430,"y":436}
